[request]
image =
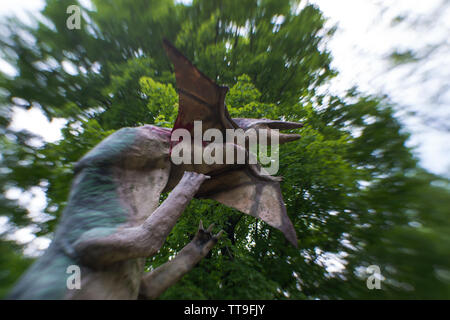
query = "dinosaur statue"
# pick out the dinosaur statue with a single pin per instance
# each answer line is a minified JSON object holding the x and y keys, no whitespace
{"x":112,"y":221}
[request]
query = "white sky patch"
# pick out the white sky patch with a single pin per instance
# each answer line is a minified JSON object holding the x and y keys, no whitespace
{"x":37,"y":247}
{"x":7,"y":68}
{"x":87,"y":4}
{"x":21,"y":8}
{"x":333,"y":262}
{"x":24,"y":235}
{"x":186,"y":2}
{"x":34,"y":246}
{"x":34,"y":201}
{"x":34,"y":121}
{"x":69,"y":67}
{"x":360,"y":47}
{"x":4,"y":224}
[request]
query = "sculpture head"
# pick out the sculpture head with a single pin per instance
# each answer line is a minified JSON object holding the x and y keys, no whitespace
{"x":243,"y":186}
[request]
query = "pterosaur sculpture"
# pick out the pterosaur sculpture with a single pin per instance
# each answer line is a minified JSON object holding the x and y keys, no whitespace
{"x":112,"y":221}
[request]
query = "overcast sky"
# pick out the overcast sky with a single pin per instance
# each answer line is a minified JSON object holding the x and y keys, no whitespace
{"x":360,"y":47}
{"x":364,"y":40}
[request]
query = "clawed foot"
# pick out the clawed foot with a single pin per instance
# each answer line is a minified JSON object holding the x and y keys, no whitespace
{"x":205,"y":238}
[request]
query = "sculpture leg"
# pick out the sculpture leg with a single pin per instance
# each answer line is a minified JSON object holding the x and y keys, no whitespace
{"x":157,"y":281}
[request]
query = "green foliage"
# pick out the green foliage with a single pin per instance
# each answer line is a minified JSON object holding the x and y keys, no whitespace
{"x":162,"y":101}
{"x":403,"y":57}
{"x":352,"y":188}
{"x":12,"y":265}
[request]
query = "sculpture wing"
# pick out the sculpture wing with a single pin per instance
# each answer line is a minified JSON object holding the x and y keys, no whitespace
{"x":200,"y":98}
{"x":251,"y":194}
{"x":239,"y":187}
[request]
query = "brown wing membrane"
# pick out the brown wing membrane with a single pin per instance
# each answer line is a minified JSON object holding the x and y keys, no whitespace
{"x":242,"y":190}
{"x":200,"y":97}
{"x":240,"y":187}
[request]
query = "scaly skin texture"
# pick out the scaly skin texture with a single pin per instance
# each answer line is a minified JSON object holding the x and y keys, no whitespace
{"x":112,"y":220}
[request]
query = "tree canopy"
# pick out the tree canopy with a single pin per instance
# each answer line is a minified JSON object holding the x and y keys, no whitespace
{"x":353,"y":190}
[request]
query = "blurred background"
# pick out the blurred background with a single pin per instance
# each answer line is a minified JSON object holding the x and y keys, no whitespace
{"x":366,"y":185}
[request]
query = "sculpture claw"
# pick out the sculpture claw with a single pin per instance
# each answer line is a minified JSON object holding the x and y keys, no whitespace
{"x":205,"y":237}
{"x":210,"y":227}
{"x":217,"y":236}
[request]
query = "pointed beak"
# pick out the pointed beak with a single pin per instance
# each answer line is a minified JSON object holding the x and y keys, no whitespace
{"x":282,"y":125}
{"x":257,"y":124}
{"x":287,"y":137}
